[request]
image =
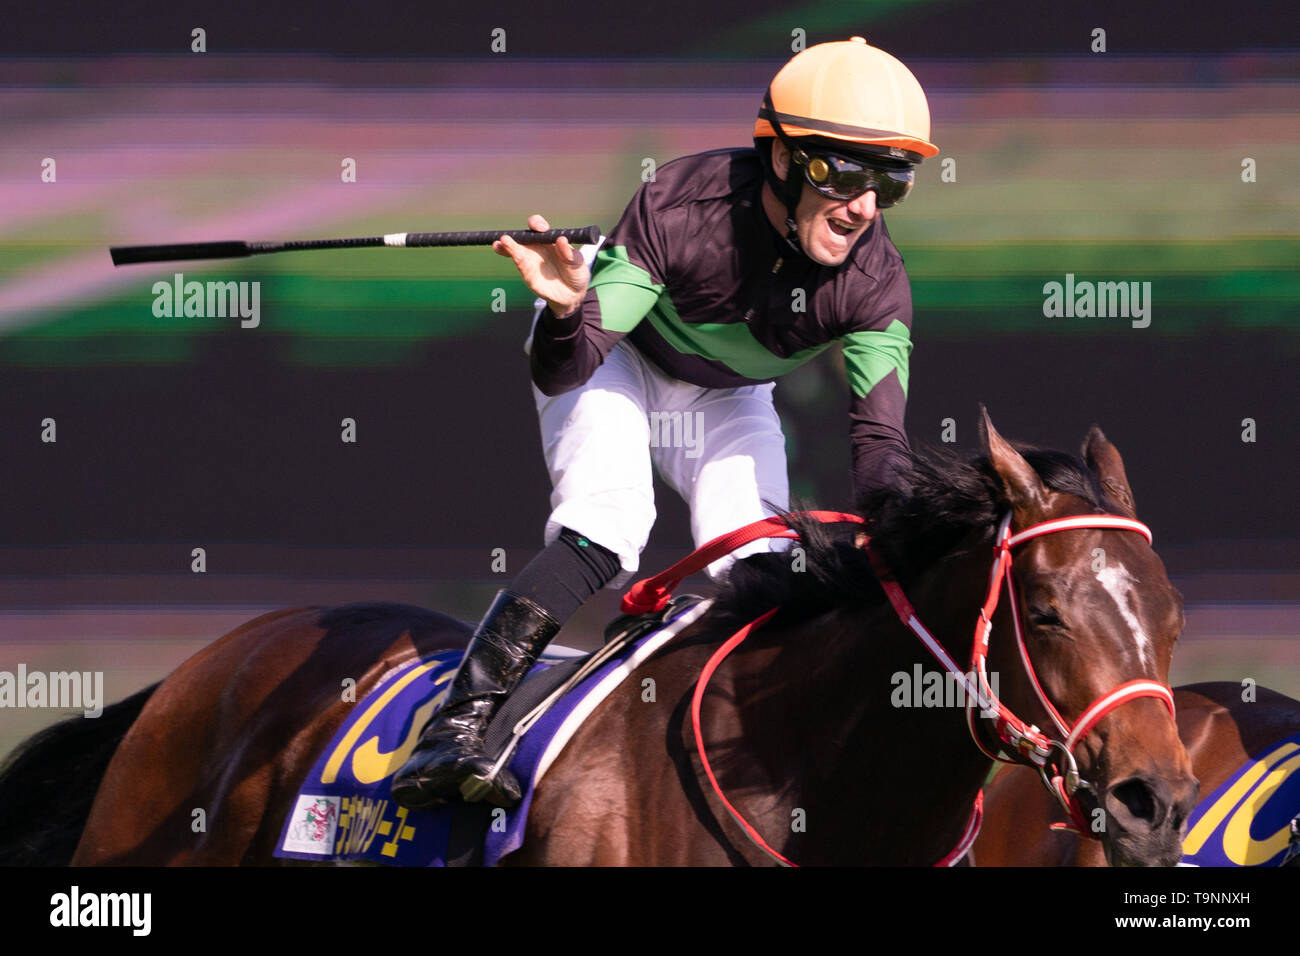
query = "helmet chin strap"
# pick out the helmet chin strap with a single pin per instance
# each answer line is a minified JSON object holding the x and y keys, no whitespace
{"x":790,"y":189}
{"x":792,"y":236}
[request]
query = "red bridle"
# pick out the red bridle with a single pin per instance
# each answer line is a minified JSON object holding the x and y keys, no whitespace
{"x":1026,"y":742}
{"x":1016,"y":736}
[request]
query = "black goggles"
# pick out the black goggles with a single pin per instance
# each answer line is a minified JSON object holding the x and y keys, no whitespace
{"x":848,"y":177}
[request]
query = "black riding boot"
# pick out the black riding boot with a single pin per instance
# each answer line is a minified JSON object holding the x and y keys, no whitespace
{"x":449,"y":757}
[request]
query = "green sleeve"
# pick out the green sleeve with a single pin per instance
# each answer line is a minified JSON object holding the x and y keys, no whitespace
{"x":870,"y":356}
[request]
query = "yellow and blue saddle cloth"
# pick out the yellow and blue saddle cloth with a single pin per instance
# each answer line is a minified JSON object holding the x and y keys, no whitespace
{"x":1246,"y":821}
{"x":344,"y":809}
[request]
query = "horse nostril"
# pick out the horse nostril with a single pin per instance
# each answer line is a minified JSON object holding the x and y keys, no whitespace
{"x":1137,"y":799}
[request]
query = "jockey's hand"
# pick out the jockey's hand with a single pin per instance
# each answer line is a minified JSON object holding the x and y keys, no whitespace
{"x":555,"y":272}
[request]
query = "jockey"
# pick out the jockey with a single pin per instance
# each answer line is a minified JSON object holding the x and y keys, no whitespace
{"x":728,"y":269}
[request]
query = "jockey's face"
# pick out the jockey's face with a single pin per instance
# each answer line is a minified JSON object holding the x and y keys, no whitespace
{"x":827,"y":228}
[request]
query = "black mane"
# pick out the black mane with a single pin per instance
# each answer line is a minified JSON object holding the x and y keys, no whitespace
{"x":943,"y":499}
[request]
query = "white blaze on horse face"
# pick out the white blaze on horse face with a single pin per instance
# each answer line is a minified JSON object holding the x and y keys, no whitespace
{"x":1119,"y":585}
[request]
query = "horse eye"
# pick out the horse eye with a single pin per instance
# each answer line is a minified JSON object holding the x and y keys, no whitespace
{"x":1045,"y":617}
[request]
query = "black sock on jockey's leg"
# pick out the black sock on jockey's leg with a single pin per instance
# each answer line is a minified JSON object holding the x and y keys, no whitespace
{"x":565,"y":574}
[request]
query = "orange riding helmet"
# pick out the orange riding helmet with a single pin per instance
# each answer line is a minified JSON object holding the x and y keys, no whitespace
{"x":847,"y":95}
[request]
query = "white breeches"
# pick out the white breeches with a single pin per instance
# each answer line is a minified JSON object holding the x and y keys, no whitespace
{"x":722,"y":450}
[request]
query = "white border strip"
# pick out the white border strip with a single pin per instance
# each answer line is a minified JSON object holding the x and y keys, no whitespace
{"x":612,"y":680}
{"x":562,"y":652}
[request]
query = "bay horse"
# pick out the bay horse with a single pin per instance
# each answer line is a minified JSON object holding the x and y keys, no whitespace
{"x":804,"y":723}
{"x":1222,"y":727}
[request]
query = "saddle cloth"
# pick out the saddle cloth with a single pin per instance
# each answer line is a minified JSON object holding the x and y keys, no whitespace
{"x":344,"y":810}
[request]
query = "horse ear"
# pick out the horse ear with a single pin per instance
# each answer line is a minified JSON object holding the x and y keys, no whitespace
{"x":1103,"y":458}
{"x":1025,"y":490}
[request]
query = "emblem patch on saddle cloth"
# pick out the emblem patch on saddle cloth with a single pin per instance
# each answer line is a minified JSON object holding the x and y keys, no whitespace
{"x":344,"y":810}
{"x":1246,"y":821}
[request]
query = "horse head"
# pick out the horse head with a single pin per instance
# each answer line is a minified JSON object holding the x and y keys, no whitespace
{"x":1092,"y":610}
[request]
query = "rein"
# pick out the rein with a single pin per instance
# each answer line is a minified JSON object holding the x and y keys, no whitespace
{"x":1018,"y":741}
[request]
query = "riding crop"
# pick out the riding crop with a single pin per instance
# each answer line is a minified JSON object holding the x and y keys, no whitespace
{"x":127,"y":255}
